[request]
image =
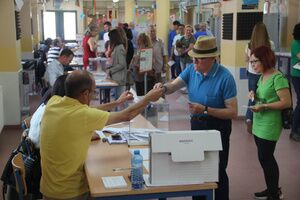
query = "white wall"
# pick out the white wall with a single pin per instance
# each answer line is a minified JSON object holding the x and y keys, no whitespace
{"x":1,"y":109}
{"x":242,"y":89}
{"x":11,"y":97}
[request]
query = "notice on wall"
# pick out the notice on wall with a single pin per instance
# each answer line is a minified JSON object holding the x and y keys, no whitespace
{"x":250,"y":4}
{"x":146,"y":60}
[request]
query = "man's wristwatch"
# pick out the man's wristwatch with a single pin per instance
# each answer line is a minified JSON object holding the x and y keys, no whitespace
{"x":205,"y":110}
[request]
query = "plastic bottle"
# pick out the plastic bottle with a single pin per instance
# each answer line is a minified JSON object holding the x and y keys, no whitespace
{"x":137,"y":171}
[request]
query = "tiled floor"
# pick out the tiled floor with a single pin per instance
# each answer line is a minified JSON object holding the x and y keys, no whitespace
{"x":244,"y":171}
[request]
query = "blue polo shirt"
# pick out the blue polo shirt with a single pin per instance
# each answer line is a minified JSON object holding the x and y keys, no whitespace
{"x":212,"y":90}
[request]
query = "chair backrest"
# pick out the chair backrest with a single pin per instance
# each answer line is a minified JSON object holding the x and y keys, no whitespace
{"x":19,"y":172}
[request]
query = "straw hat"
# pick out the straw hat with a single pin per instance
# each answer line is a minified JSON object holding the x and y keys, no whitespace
{"x":204,"y":47}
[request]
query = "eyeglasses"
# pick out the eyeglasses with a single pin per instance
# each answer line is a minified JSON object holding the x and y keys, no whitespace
{"x":253,"y":61}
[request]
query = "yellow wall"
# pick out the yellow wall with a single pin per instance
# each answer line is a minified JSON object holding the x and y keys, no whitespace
{"x":9,"y":47}
{"x":26,"y":37}
{"x":162,"y":26}
{"x":129,"y":10}
{"x":232,"y":51}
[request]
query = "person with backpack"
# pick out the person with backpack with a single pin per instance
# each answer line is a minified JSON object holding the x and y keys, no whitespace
{"x":271,"y":97}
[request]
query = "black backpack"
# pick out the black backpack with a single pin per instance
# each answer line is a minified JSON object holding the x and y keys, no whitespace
{"x":31,"y":158}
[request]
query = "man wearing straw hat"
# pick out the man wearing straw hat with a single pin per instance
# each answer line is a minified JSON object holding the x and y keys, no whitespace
{"x":212,"y":96}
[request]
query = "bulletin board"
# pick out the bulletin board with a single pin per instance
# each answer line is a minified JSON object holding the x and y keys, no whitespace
{"x":146,"y":60}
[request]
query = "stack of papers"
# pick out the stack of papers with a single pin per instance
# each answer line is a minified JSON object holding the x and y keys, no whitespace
{"x":111,"y":182}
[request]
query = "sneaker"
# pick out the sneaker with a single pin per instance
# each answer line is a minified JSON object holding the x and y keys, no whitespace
{"x":264,"y":195}
{"x":249,"y":126}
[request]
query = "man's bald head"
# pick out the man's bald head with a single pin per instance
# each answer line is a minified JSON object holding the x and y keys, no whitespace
{"x":77,"y":82}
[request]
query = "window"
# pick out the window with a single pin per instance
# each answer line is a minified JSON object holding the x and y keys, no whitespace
{"x":59,"y":24}
{"x":70,"y":25}
{"x":49,"y":28}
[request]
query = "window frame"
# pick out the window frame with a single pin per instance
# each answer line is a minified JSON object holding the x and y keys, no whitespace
{"x":59,"y":16}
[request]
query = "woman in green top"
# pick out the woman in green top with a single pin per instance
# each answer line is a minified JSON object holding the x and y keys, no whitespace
{"x":295,"y":73}
{"x":272,"y":95}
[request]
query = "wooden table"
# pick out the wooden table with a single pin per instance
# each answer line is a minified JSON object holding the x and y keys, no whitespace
{"x":102,"y":158}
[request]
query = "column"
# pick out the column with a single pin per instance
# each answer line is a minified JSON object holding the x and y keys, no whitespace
{"x":233,"y":52}
{"x":35,"y":23}
{"x":162,"y":22}
{"x":10,"y":65}
{"x":26,"y":37}
{"x":129,"y":10}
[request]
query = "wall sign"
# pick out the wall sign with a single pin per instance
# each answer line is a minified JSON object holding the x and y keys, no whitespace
{"x":250,"y":4}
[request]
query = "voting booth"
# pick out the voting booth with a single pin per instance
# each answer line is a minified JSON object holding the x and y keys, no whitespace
{"x":184,"y":157}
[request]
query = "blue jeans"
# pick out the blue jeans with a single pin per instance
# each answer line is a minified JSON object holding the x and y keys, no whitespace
{"x":252,"y":86}
{"x":224,"y":126}
{"x":296,"y":119}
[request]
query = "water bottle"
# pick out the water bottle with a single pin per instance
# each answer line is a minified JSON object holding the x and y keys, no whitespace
{"x":137,"y":171}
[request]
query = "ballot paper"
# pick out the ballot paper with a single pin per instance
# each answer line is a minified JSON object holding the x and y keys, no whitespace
{"x":111,"y":182}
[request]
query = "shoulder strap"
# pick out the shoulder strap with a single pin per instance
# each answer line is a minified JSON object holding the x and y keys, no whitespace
{"x":289,"y":83}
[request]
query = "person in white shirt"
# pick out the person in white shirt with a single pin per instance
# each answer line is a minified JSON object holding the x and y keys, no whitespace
{"x":107,"y":28}
{"x":56,"y":67}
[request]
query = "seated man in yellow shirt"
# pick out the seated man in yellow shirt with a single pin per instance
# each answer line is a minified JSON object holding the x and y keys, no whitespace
{"x":66,"y":130}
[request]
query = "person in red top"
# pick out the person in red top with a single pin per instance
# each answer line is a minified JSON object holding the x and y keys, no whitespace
{"x":89,"y":44}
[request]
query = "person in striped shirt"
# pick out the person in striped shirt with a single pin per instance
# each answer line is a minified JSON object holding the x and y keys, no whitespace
{"x":54,"y":51}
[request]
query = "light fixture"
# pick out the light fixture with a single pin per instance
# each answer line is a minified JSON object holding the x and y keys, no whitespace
{"x":115,"y":1}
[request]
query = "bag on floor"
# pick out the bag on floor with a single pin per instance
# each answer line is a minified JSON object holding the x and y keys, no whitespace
{"x":32,"y":166}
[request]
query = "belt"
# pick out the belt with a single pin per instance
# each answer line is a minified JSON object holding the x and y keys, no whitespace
{"x":203,"y":118}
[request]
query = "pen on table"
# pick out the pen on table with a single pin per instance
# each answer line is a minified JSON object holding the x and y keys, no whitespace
{"x":121,"y":169}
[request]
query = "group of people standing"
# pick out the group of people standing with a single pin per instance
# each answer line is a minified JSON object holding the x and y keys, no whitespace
{"x":124,"y":60}
{"x":212,"y":98}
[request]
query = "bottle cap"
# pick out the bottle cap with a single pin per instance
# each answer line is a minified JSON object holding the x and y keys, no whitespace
{"x":136,"y":152}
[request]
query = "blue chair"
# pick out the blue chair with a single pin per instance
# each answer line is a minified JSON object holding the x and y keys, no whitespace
{"x":19,"y":173}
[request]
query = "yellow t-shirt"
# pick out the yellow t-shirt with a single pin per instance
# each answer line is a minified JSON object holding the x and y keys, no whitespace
{"x":66,"y":130}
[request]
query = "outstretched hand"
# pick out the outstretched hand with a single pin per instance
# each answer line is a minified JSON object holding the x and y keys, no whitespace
{"x":154,"y":94}
{"x":125,"y":96}
{"x":158,"y":85}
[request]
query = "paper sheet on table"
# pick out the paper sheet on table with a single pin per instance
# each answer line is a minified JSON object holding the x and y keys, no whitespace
{"x":144,"y":152}
{"x":114,"y":182}
{"x":100,"y":134}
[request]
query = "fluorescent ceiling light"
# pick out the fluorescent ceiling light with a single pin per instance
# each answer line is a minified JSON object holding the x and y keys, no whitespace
{"x":115,"y":1}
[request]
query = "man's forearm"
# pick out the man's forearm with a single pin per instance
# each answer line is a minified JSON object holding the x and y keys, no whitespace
{"x":222,"y":113}
{"x":108,"y":106}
